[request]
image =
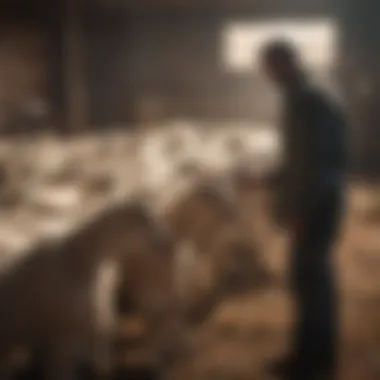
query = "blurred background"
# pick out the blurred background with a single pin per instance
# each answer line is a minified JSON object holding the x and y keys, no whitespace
{"x":94,"y":94}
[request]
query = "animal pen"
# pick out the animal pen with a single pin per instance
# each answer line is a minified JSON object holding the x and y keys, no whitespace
{"x":102,"y":100}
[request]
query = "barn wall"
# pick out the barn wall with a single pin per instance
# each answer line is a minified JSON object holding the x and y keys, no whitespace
{"x":172,"y":62}
{"x":139,"y":65}
{"x":174,"y":69}
{"x":150,"y":59}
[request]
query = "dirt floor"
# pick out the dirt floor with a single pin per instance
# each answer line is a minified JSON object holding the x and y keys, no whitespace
{"x":244,"y":333}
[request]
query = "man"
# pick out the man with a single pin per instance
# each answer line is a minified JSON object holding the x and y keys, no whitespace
{"x":311,"y":195}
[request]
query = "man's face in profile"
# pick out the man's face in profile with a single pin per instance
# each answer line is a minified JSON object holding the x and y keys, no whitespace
{"x":279,"y":62}
{"x":277,"y":70}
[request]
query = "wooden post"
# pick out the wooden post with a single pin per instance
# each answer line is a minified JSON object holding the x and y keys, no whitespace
{"x":75,"y":88}
{"x":360,"y":42}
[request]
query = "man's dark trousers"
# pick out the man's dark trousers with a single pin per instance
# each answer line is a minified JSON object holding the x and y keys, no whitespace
{"x":313,"y":283}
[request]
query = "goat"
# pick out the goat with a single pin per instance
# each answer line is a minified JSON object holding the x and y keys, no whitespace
{"x":60,"y":295}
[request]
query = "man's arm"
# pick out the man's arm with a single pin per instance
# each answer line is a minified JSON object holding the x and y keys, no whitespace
{"x":312,"y":136}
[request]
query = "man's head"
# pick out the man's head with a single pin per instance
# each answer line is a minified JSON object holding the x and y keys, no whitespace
{"x":280,"y":62}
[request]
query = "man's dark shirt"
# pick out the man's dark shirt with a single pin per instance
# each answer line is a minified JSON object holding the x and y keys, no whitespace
{"x":315,"y":152}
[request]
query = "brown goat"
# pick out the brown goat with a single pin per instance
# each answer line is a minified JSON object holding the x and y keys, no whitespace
{"x":60,"y":294}
{"x":224,"y":261}
{"x":148,"y":290}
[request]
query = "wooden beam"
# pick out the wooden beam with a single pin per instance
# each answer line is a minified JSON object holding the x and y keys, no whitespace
{"x":220,"y":5}
{"x":75,"y":86}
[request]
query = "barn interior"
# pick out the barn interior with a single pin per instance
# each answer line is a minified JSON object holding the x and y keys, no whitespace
{"x":98,"y":63}
{"x":90,"y":88}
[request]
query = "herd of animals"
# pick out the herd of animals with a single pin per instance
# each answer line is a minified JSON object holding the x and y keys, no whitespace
{"x":64,"y":304}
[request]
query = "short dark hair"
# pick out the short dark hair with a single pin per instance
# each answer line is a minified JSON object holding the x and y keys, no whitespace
{"x":279,"y":50}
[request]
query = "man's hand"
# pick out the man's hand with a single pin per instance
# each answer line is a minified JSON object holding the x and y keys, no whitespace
{"x":297,"y":227}
{"x":274,"y":179}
